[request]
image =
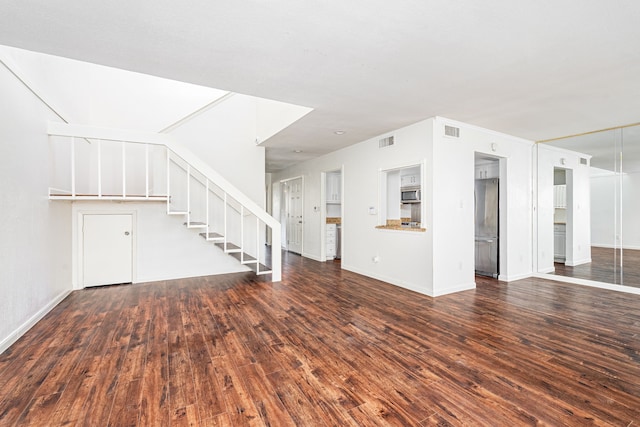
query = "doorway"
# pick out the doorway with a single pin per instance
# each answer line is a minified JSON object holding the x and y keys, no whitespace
{"x":332,"y":215}
{"x":292,"y":214}
{"x":562,"y":215}
{"x":487,"y":215}
{"x":107,"y":249}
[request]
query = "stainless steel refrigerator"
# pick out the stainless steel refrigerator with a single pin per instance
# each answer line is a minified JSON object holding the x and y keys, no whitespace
{"x":486,"y":211}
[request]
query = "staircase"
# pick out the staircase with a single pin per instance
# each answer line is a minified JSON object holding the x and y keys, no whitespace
{"x":120,"y":165}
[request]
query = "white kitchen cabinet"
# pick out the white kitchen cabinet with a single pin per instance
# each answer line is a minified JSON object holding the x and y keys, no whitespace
{"x":560,"y":196}
{"x":330,"y":241}
{"x":559,"y":242}
{"x":334,"y":187}
{"x":488,"y":170}
{"x":410,"y":180}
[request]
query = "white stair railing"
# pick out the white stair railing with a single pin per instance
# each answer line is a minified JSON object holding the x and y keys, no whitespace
{"x":179,"y":165}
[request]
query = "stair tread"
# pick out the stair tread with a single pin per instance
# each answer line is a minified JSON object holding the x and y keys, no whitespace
{"x":247,"y":257}
{"x":230,"y":246}
{"x":195,"y":224}
{"x":212,"y":235}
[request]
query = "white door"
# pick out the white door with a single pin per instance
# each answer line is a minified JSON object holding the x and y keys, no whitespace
{"x":107,"y":249}
{"x":294,"y":215}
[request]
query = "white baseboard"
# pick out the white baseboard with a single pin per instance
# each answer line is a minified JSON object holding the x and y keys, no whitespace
{"x":578,"y":262}
{"x":459,"y":288}
{"x":607,"y":246}
{"x":22,"y":329}
{"x":386,"y":279}
{"x":547,"y":270}
{"x":584,"y":282}
{"x":409,"y":286}
{"x":515,"y":277}
{"x":313,"y":257}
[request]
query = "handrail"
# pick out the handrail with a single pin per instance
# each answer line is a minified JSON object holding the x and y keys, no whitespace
{"x":120,"y":135}
{"x":128,"y":136}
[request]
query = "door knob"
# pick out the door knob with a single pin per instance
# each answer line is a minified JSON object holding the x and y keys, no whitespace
{"x":126,"y":233}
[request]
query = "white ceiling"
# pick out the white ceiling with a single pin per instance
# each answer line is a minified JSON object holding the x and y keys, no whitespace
{"x":536,"y":69}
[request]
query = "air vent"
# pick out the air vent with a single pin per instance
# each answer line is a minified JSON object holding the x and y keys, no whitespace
{"x":451,"y":131}
{"x":386,"y":142}
{"x":583,"y":161}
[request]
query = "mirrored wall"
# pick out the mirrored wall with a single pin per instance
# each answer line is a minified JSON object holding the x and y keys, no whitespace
{"x":588,"y":219}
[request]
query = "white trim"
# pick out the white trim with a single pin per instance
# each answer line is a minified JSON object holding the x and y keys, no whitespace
{"x":577,"y":262}
{"x":22,"y":329}
{"x":198,"y":112}
{"x":546,"y":270}
{"x":605,"y":246}
{"x":591,"y":283}
{"x":459,"y":288}
{"x":109,"y":198}
{"x":304,"y":219}
{"x":405,"y":285}
{"x":108,"y":134}
{"x":313,"y":257}
{"x":13,"y":68}
{"x":388,"y":280}
{"x":515,"y":277}
{"x":323,"y":217}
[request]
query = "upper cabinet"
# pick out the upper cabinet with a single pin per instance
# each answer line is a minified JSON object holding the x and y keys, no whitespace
{"x":334,"y":187}
{"x":487,"y":169}
{"x":410,"y":177}
{"x":410,"y":180}
{"x":560,"y":196}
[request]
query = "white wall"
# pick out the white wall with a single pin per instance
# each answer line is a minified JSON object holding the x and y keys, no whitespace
{"x":440,"y":260}
{"x":404,"y":256}
{"x":604,"y":211}
{"x":453,"y":202}
{"x":225,"y":138}
{"x":578,"y":206}
{"x":35,"y":248}
{"x":165,"y":248}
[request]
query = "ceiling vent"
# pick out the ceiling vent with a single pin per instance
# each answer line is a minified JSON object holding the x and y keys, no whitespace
{"x":451,"y":131}
{"x":386,"y":142}
{"x":583,"y":161}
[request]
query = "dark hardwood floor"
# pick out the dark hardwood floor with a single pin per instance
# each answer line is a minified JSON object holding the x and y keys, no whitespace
{"x":326,"y":347}
{"x":605,"y":266}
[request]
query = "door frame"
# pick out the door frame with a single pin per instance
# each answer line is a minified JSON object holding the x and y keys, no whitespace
{"x":323,"y":210}
{"x":283,"y":208}
{"x":502,"y":209}
{"x":78,"y":243}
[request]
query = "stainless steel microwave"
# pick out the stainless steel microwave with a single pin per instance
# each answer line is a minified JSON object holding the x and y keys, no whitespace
{"x":410,"y":195}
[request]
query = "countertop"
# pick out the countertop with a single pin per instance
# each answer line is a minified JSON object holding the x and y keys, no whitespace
{"x":334,"y":220}
{"x":396,"y":224}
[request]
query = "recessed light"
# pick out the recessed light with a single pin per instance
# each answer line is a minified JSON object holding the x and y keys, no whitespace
{"x":297,"y":151}
{"x":340,"y":132}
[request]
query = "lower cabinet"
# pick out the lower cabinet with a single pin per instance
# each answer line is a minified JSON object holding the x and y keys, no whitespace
{"x":559,"y":242}
{"x":330,"y":241}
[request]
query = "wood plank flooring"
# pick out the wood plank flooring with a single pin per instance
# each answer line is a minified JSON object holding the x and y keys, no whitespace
{"x":327,"y":347}
{"x":605,"y":266}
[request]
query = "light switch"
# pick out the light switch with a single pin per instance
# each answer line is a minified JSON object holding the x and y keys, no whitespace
{"x":372,"y":210}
